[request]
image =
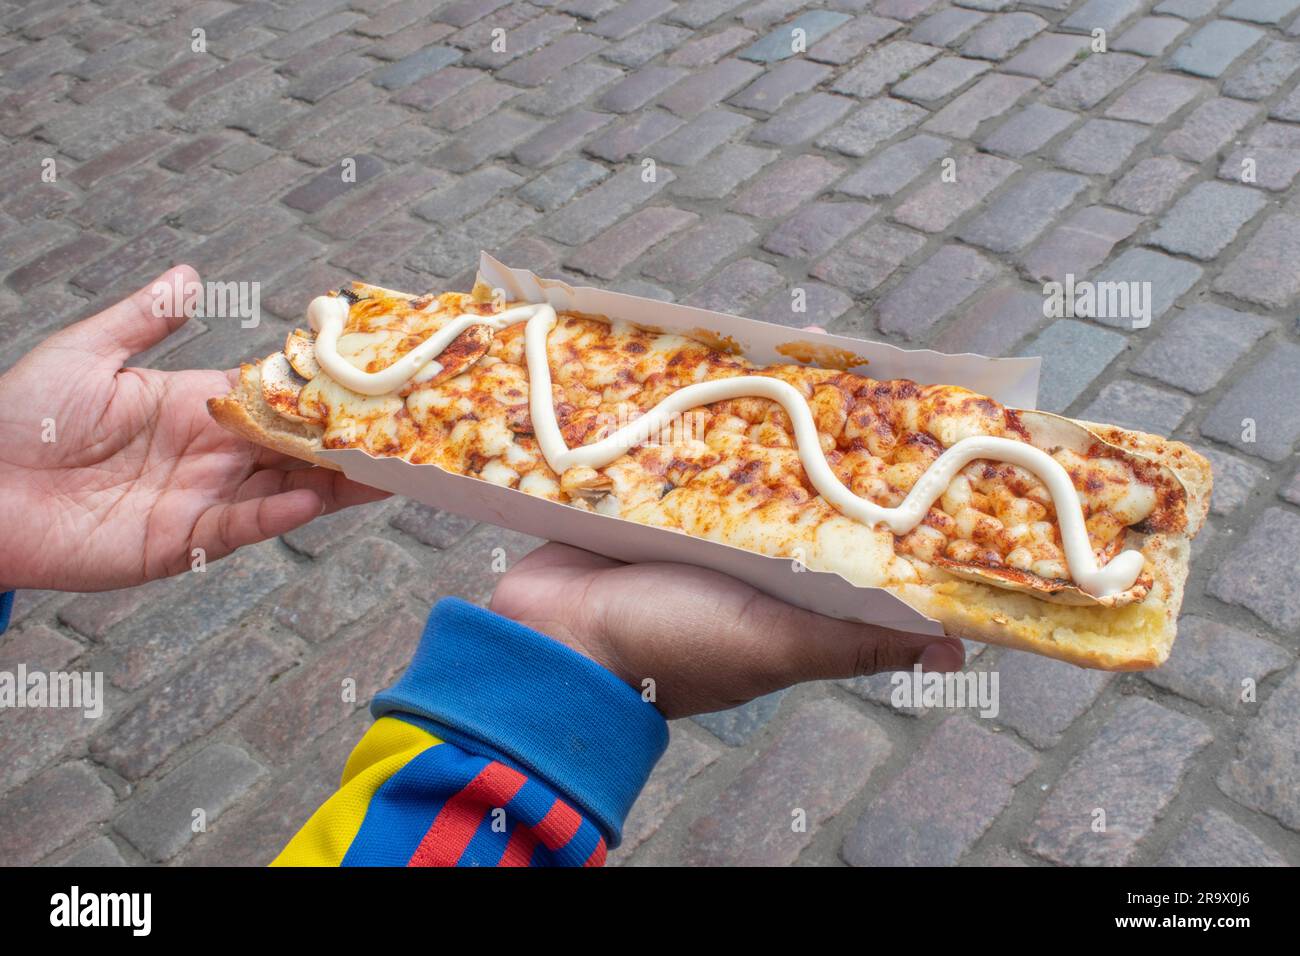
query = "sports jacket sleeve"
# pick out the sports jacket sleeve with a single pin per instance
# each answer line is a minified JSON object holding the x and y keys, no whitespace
{"x":498,"y":747}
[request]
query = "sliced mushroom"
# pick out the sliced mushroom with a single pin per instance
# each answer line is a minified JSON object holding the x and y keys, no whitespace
{"x":281,"y":386}
{"x":300,"y":349}
{"x":462,"y":352}
{"x":581,"y":481}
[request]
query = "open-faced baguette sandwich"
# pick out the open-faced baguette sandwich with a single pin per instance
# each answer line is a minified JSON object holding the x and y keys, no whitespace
{"x":1019,"y":528}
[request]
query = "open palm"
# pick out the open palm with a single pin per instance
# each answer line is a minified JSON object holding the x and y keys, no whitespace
{"x":114,"y":476}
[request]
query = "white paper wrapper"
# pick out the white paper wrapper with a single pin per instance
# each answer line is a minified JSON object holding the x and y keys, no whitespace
{"x":1012,"y":382}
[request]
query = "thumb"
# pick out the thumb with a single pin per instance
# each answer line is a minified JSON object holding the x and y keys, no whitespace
{"x":137,"y":322}
{"x":808,"y":646}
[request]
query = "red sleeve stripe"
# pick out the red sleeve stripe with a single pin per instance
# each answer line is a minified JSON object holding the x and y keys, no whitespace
{"x":451,"y":831}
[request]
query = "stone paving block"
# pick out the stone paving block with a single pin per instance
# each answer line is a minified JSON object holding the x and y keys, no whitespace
{"x":932,"y":290}
{"x":1212,"y":663}
{"x":1040,"y":698}
{"x":200,"y":696}
{"x":1150,"y":36}
{"x":1265,"y":776}
{"x":993,"y":323}
{"x":822,"y":304}
{"x":1258,"y":574}
{"x":697,"y":13}
{"x":684,"y":760}
{"x":161,"y":822}
{"x":1080,"y":243}
{"x":1046,"y":55}
{"x":690,"y":144}
{"x":561,"y":183}
{"x":709,"y":87}
{"x":692,"y":257}
{"x":722,"y":172}
{"x":956,"y":785}
{"x":1214,"y":47}
{"x":1234,"y":480}
{"x":1155,"y":99}
{"x":1150,"y":185}
{"x":617,"y":247}
{"x":570,"y":88}
{"x":544,"y":64}
{"x":947,"y":26}
{"x":1093,"y":80}
{"x":1169,"y":278}
{"x":207,"y":603}
{"x":602,"y":206}
{"x":1028,"y":130}
{"x":938,"y":204}
{"x":1106,"y":14}
{"x":992,"y":96}
{"x":328,"y":531}
{"x":737,"y":288}
{"x":1263,"y":397}
{"x":626,"y":18}
{"x":495,"y":135}
{"x":803,"y":119}
{"x":997,"y":38}
{"x":1130,"y":770}
{"x":1022,"y":211}
{"x":308,"y":701}
{"x":1261,"y":11}
{"x":317,"y":603}
{"x":431,"y":527}
{"x":560,"y":138}
{"x":800,"y":33}
{"x":1101,"y":146}
{"x":632,"y":135}
{"x":100,"y":852}
{"x":1205,"y":221}
{"x":940,"y":79}
{"x":1198,"y":346}
{"x":817,"y":228}
{"x":894,"y":167}
{"x":1265,"y":272}
{"x":824,"y":755}
{"x":868,"y":259}
{"x":1137,"y":406}
{"x":880,"y":120}
{"x":1212,"y":838}
{"x":850,"y":41}
{"x":1209,"y":128}
{"x":709,"y":48}
{"x":1270,"y":167}
{"x":1074,"y":354}
{"x":737,"y":725}
{"x":51,"y":810}
{"x":1267,"y":73}
{"x":639,"y":88}
{"x":884,"y":67}
{"x":786,"y":187}
{"x":642,"y":47}
{"x":767,"y":93}
{"x":415,"y":67}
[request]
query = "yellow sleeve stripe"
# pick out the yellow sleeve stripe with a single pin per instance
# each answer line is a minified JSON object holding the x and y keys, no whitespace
{"x":386,"y":748}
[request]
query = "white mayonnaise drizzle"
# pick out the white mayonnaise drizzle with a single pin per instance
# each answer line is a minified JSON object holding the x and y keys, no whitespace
{"x":327,"y":317}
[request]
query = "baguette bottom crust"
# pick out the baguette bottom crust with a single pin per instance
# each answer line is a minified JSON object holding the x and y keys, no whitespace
{"x":1138,"y":636}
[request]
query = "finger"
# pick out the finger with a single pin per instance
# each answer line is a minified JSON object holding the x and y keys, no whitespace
{"x":333,"y":490}
{"x":225,"y":528}
{"x":813,"y":328}
{"x":798,"y":645}
{"x":137,"y":322}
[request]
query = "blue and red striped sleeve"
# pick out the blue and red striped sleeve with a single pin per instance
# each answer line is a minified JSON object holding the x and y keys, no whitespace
{"x":498,"y":747}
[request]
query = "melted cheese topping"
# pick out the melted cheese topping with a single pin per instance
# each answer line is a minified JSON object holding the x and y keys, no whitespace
{"x":925,"y":481}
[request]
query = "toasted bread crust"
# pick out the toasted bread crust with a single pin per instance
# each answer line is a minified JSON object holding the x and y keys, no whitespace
{"x":247,"y":414}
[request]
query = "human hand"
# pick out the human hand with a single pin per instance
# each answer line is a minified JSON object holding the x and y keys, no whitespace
{"x":113,"y":476}
{"x":707,"y":640}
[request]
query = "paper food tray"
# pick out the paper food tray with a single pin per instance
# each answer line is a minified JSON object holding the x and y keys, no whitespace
{"x":1010,"y":381}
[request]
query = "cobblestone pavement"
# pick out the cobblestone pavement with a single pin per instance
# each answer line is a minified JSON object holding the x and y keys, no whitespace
{"x":819,"y":170}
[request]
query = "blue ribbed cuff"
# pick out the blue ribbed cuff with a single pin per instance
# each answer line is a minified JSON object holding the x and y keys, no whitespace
{"x":499,"y":689}
{"x":6,"y":608}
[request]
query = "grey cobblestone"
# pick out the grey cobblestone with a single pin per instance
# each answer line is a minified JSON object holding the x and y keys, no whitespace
{"x":815,"y":170}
